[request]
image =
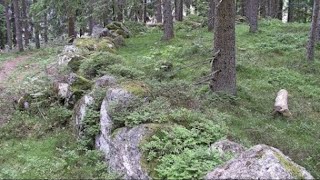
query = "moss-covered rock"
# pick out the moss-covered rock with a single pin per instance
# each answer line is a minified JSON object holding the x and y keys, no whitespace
{"x":79,"y":86}
{"x":75,"y":63}
{"x":106,"y":45}
{"x":119,"y":41}
{"x":98,"y":62}
{"x":86,"y":43}
{"x":137,"y":88}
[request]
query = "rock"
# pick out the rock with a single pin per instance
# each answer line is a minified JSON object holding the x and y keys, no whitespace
{"x":99,"y":31}
{"x":260,"y":162}
{"x":121,"y":150}
{"x":226,"y":146}
{"x":80,"y":111}
{"x":105,"y":81}
{"x":119,"y":41}
{"x":67,"y":54}
{"x":62,"y":90}
{"x":75,"y":63}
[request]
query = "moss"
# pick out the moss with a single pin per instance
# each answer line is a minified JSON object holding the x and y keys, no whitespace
{"x":79,"y":86}
{"x":86,"y":43}
{"x":289,"y":166}
{"x":137,"y":88}
{"x":119,"y":41}
{"x":122,"y":33}
{"x":106,"y":45}
{"x":75,"y":63}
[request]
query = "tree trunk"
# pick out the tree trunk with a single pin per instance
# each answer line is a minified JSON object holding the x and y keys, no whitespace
{"x":145,"y":17}
{"x":178,"y":10}
{"x":17,"y":23}
{"x":90,"y":18}
{"x":14,"y":39}
{"x":45,"y":33}
{"x":8,"y":26}
{"x":188,"y":6}
{"x":120,"y":6}
{"x":290,"y":11}
{"x":168,"y":20}
{"x":25,"y":22}
{"x":71,"y":27}
{"x":253,"y":17}
{"x":263,"y":8}
{"x":280,"y":6}
{"x":281,"y":103}
{"x":211,"y":15}
{"x":313,"y":31}
{"x":223,"y":66}
{"x":159,"y":11}
{"x":37,"y":31}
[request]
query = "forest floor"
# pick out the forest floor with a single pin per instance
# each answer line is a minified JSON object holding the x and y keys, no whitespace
{"x":7,"y":67}
{"x":267,"y":61}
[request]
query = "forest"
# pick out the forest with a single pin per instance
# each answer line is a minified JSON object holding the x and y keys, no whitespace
{"x":159,"y":89}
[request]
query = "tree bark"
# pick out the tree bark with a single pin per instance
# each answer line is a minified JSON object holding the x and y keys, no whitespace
{"x":223,"y":66}
{"x":120,"y":6}
{"x":37,"y":31}
{"x":281,"y":103}
{"x":313,"y":31}
{"x":290,"y":11}
{"x":188,"y":6}
{"x":8,"y":26}
{"x":159,"y":11}
{"x":253,"y":15}
{"x":211,"y":15}
{"x":45,"y":33}
{"x":168,"y":20}
{"x":14,"y":39}
{"x":263,"y":8}
{"x":71,"y":26}
{"x":145,"y":17}
{"x":17,"y":24}
{"x":25,"y":22}
{"x":178,"y":9}
{"x":280,"y":6}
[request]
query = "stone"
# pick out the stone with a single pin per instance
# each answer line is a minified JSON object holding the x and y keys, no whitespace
{"x":67,"y":54}
{"x":226,"y":146}
{"x":119,"y":41}
{"x":105,"y":81}
{"x":80,"y":111}
{"x":98,"y":31}
{"x":121,"y":149}
{"x":260,"y":162}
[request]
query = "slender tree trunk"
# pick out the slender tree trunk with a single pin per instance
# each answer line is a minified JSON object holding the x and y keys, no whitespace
{"x":159,"y":11}
{"x":211,"y":15}
{"x":223,"y":66}
{"x":313,"y":31}
{"x":290,"y":11}
{"x":253,"y":20}
{"x":14,"y":39}
{"x":145,"y":17}
{"x":120,"y":6}
{"x":178,"y":10}
{"x":45,"y":33}
{"x":90,"y":17}
{"x":36,"y":31}
{"x":17,"y":23}
{"x":25,"y":22}
{"x":71,"y":26}
{"x":168,"y":20}
{"x":8,"y":26}
{"x":263,"y":8}
{"x":280,"y":6}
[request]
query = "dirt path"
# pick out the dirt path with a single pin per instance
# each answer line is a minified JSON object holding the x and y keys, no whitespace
{"x":6,"y":69}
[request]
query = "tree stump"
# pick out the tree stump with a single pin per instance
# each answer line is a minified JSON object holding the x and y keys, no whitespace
{"x":281,"y":104}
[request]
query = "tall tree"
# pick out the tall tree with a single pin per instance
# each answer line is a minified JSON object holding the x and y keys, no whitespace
{"x":178,"y":9}
{"x":313,"y":31}
{"x":158,"y":11}
{"x":223,"y":65}
{"x":25,"y":22}
{"x":8,"y":25}
{"x":253,"y":15}
{"x":188,"y":6}
{"x":45,"y":28}
{"x":17,"y":24}
{"x":145,"y":15}
{"x":211,"y":15}
{"x":168,"y":20}
{"x":290,"y":11}
{"x":36,"y":29}
{"x":263,"y":8}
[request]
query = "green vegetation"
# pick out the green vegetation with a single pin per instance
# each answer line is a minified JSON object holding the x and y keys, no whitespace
{"x":187,"y":116}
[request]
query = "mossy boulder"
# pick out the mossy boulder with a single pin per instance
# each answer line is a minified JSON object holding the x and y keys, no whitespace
{"x":119,"y":29}
{"x":75,"y":63}
{"x":97,"y":63}
{"x":137,"y":88}
{"x":79,"y":85}
{"x":106,"y":45}
{"x":86,"y":43}
{"x":119,"y":41}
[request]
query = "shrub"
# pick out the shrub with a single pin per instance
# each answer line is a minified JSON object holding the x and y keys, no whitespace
{"x":135,"y":27}
{"x":124,"y":71}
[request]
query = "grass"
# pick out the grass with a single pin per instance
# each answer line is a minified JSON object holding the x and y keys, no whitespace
{"x":271,"y":59}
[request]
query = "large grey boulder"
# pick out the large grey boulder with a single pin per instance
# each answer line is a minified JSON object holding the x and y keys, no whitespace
{"x":69,"y":52}
{"x":99,"y":31}
{"x":260,"y":162}
{"x":80,"y":111}
{"x":121,"y":150}
{"x":105,"y":81}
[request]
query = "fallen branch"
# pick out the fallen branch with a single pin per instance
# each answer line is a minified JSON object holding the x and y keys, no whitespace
{"x":281,"y":104}
{"x":207,"y":78}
